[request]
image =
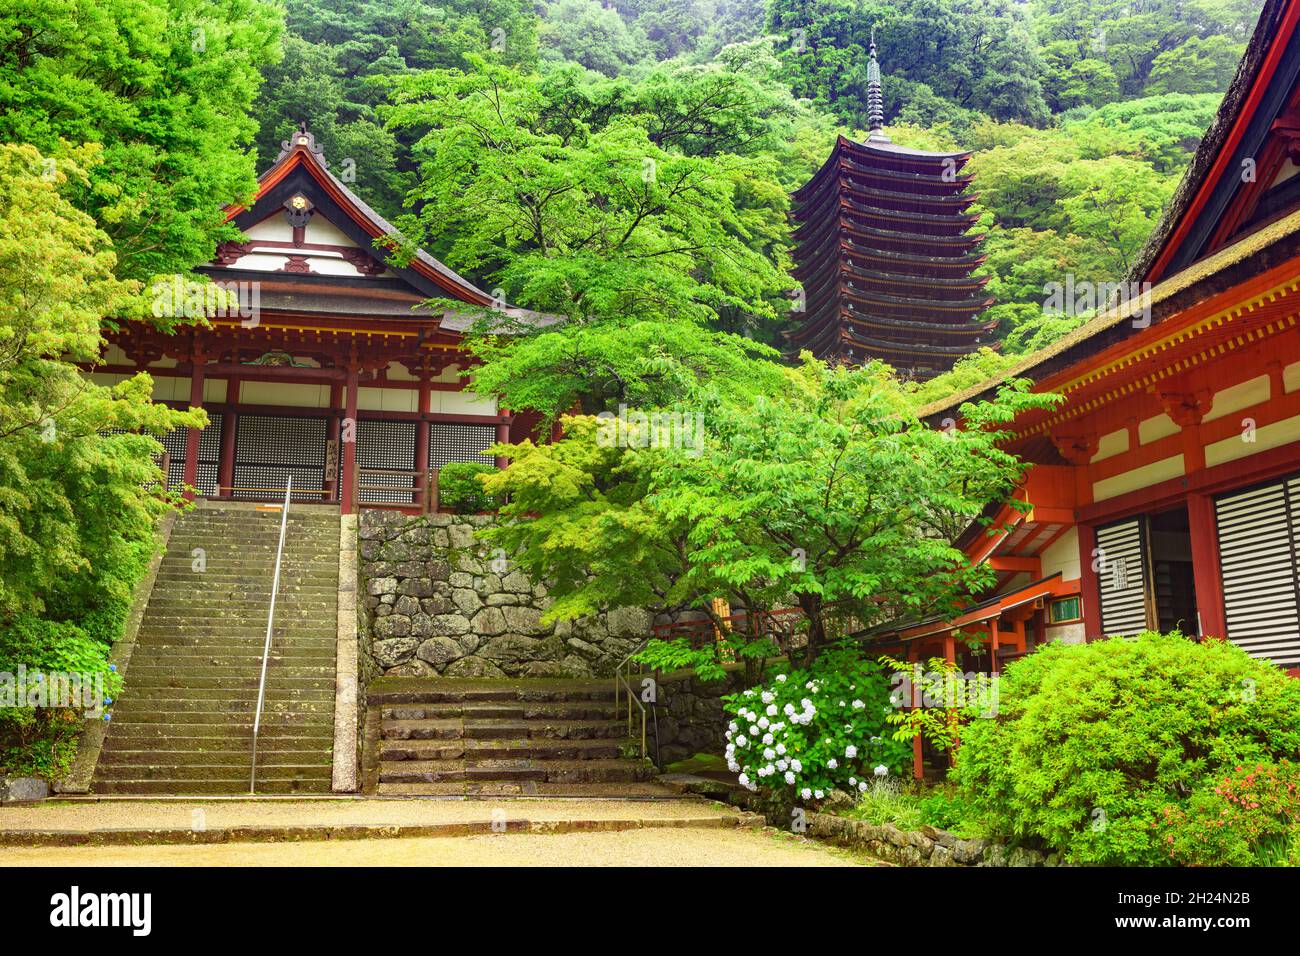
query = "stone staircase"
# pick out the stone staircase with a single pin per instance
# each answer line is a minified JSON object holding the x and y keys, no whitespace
{"x":519,"y":737}
{"x":183,"y":723}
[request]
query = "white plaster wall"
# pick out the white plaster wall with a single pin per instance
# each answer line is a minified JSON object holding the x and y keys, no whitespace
{"x":1143,"y":477}
{"x":1234,"y":399}
{"x":1062,"y":555}
{"x":1266,"y":437}
{"x":1112,"y":444}
{"x":296,"y":394}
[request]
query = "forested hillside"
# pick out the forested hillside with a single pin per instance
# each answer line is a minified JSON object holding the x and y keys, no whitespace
{"x":1082,"y":113}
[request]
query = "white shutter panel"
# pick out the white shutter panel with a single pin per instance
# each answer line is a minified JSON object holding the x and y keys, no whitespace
{"x":1257,"y":549}
{"x":1121,"y":578}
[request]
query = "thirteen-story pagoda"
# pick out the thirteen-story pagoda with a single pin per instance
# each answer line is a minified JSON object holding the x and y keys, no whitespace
{"x":885,"y":254}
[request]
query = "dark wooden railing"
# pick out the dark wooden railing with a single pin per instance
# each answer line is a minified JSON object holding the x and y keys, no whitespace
{"x":421,"y":493}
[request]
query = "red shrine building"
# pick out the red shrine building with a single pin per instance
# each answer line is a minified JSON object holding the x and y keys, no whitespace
{"x":1164,"y":489}
{"x":884,"y":254}
{"x":329,"y":368}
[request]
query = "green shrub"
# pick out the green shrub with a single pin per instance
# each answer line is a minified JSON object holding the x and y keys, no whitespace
{"x":814,"y":730}
{"x":40,"y":741}
{"x":461,"y":490}
{"x":1093,"y":741}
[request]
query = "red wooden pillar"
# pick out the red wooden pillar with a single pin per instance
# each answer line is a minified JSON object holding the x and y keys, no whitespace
{"x":191,"y":476}
{"x":423,"y":393}
{"x":994,"y":666}
{"x":1205,"y":566}
{"x":348,"y":439}
{"x":229,"y":435}
{"x":1090,"y":593}
{"x":503,"y":436}
{"x":336,"y":436}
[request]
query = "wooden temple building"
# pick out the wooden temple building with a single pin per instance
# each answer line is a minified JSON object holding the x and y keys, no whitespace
{"x":331,"y":370}
{"x":884,"y":254}
{"x":1165,"y":487}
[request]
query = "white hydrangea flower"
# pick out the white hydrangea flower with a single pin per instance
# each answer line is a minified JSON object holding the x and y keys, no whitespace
{"x":780,"y":748}
{"x":733,"y":727}
{"x":769,"y":754}
{"x":862,"y":786}
{"x":858,"y":705}
{"x":832,"y":763}
{"x":806,"y":793}
{"x":789,"y":777}
{"x":753,"y":730}
{"x":796,"y":766}
{"x":733,"y":766}
{"x":788,"y":710}
{"x":850,"y":752}
{"x":763,"y":722}
{"x":742,"y":742}
{"x":853,"y":781}
{"x":771,"y":710}
{"x":781,"y":678}
{"x":767,"y":697}
{"x":881,"y":770}
{"x":819,"y":794}
{"x":743,"y":780}
{"x":783,"y":765}
{"x":768,"y":738}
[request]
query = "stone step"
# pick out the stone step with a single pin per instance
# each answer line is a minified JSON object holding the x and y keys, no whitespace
{"x":441,"y":729}
{"x":527,"y":748}
{"x":548,"y":771}
{"x":203,"y":697}
{"x":132,"y":740}
{"x":231,"y":583}
{"x":563,"y":711}
{"x":191,"y":725}
{"x":164,"y":679}
{"x":181,"y":604}
{"x":278,"y":673}
{"x":524,"y":788}
{"x":228,"y":654}
{"x":201,"y":772}
{"x":231,"y":783}
{"x":161,"y":634}
{"x":195,"y":759}
{"x":420,"y":690}
{"x":283,"y":702}
{"x":217,"y":543}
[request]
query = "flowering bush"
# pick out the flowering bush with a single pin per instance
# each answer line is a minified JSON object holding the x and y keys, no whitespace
{"x":810,"y":731}
{"x":1248,"y":818}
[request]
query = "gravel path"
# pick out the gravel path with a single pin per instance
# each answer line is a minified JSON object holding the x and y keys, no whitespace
{"x":213,"y":814}
{"x":657,"y":847}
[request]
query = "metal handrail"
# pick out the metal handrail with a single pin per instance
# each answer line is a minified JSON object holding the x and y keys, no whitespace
{"x":270,"y":623}
{"x":621,"y":678}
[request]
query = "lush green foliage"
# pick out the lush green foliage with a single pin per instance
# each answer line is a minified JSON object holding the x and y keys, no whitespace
{"x":822,"y":491}
{"x":813,"y":730}
{"x":164,"y":86}
{"x":460,"y":487}
{"x":1093,"y":742}
{"x":76,"y":509}
{"x":340,"y":58}
{"x":606,"y":219}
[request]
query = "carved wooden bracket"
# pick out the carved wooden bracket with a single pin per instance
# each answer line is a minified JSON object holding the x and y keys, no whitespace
{"x":1076,"y":449}
{"x":1186,"y":408}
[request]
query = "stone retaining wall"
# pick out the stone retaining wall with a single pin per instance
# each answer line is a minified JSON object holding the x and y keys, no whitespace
{"x":436,"y":600}
{"x":928,"y":846}
{"x":690,"y":715}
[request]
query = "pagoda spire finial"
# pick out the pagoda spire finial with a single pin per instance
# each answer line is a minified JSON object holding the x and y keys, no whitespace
{"x":875,"y":99}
